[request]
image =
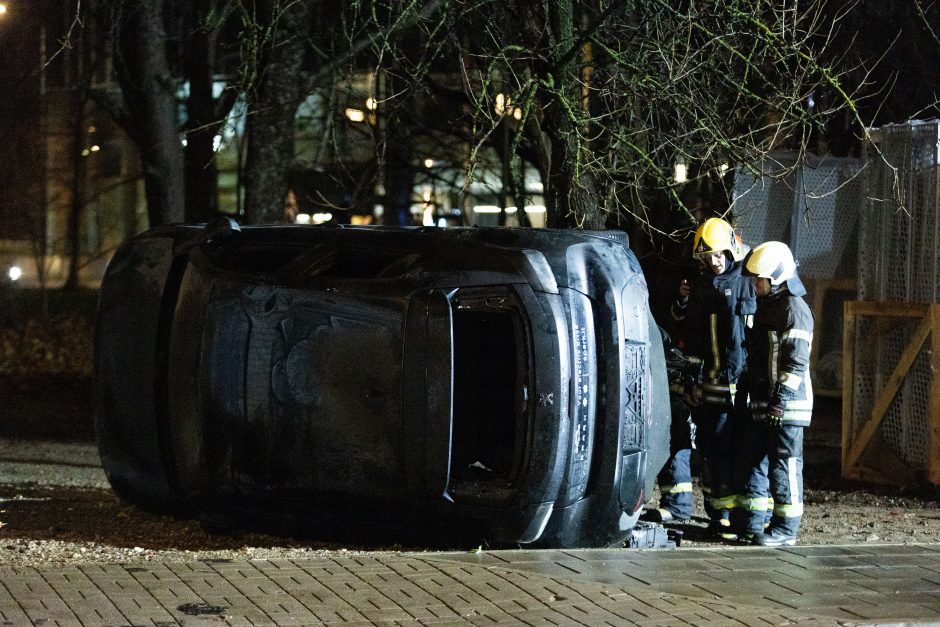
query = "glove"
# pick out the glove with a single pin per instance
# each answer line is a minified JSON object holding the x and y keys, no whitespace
{"x":774,"y":415}
{"x":682,"y":295}
{"x":692,"y":396}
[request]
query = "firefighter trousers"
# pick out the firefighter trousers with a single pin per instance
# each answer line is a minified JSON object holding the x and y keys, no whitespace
{"x":675,"y":479}
{"x":716,"y":431}
{"x":770,"y":465}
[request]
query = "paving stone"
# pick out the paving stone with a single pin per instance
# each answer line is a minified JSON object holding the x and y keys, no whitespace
{"x":796,"y":571}
{"x":818,"y":562}
{"x":896,"y":549}
{"x":901,"y":560}
{"x":815,"y":585}
{"x":753,"y":585}
{"x":821,"y":600}
{"x":891,"y":585}
{"x":734,"y":590}
{"x":682,"y":589}
{"x":653,"y":576}
{"x":901,"y":612}
{"x":828,"y":550}
{"x":743,"y":563}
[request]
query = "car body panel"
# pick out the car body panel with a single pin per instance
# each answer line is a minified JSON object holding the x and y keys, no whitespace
{"x":505,"y":380}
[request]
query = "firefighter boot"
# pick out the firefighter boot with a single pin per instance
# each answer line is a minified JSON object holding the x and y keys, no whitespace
{"x":781,"y":532}
{"x":776,"y":536}
{"x":721,"y":526}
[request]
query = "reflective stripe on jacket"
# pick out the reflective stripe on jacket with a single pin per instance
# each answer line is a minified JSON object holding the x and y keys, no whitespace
{"x":778,"y":358}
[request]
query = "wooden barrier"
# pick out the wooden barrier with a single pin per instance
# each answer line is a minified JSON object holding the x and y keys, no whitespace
{"x":818,"y":290}
{"x":855,"y":445}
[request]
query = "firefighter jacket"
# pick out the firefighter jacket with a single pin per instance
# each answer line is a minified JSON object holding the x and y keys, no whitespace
{"x":719,"y":309}
{"x":778,"y":348}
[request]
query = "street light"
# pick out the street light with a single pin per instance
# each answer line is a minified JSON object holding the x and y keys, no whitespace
{"x":680,"y":173}
{"x":3,"y":9}
{"x":505,"y":106}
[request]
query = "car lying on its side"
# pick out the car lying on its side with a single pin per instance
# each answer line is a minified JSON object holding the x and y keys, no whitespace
{"x":508,"y":384}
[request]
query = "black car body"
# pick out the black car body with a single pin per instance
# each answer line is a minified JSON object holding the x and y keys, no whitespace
{"x":508,"y":383}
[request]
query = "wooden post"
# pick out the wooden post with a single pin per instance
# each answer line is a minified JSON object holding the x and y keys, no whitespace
{"x":848,"y":381}
{"x":820,"y":288}
{"x":933,"y":415}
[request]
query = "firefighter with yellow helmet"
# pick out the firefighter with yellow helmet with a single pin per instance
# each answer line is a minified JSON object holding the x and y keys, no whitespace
{"x":780,"y":398}
{"x":719,"y":303}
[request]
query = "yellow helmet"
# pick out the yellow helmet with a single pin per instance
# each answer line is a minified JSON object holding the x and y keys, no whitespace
{"x":715,"y":235}
{"x":771,"y":260}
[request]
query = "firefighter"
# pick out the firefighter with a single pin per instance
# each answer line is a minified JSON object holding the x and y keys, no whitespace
{"x":780,"y":398}
{"x":720,"y":304}
{"x":677,"y":501}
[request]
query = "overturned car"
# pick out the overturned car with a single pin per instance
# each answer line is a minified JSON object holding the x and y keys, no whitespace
{"x":505,"y":385}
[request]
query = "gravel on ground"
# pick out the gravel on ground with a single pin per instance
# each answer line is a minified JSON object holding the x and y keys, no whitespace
{"x":56,"y":508}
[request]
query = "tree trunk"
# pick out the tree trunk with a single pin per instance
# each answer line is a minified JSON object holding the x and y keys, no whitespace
{"x":202,"y":176}
{"x":570,"y":193}
{"x":77,"y":161}
{"x":570,"y":196}
{"x":270,"y":153}
{"x":397,"y":155}
{"x":204,"y":118}
{"x":271,"y":117}
{"x":81,"y":61}
{"x":554,"y":132}
{"x":399,"y":183}
{"x":150,"y":97}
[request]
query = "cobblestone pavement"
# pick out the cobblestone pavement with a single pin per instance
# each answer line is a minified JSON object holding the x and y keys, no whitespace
{"x":821,"y":585}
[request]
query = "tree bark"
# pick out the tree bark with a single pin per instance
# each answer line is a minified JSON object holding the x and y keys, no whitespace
{"x":272,"y":107}
{"x":203,"y":24}
{"x":150,"y":97}
{"x":201,"y":172}
{"x":570,"y":197}
{"x":77,"y":161}
{"x":397,"y":151}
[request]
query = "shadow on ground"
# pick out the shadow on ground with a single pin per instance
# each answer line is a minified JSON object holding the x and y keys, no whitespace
{"x":46,"y":407}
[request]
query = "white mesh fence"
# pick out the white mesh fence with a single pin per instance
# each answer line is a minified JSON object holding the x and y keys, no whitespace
{"x":813,"y":208}
{"x":898,"y":253}
{"x":898,"y":260}
{"x":763,"y":204}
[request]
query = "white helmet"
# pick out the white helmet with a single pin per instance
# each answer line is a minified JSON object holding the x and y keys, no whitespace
{"x":770,"y":260}
{"x":774,"y":261}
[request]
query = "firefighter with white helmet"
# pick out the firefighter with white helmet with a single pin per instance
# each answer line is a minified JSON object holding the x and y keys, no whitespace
{"x":719,"y":303}
{"x":780,"y":398}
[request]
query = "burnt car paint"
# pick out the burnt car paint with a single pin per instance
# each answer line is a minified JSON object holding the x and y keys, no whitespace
{"x":510,"y":382}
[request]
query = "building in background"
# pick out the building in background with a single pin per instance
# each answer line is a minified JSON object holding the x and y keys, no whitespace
{"x":74,"y":172}
{"x":68,"y":163}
